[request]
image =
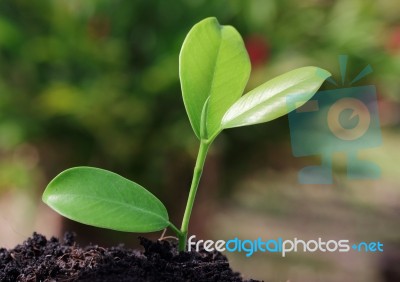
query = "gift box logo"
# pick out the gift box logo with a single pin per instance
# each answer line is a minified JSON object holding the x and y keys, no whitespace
{"x":341,"y":120}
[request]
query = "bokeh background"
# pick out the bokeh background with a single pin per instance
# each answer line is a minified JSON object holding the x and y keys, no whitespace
{"x":96,"y":83}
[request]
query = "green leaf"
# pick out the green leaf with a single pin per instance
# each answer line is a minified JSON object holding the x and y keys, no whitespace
{"x":268,"y":101}
{"x":102,"y":198}
{"x":214,"y":64}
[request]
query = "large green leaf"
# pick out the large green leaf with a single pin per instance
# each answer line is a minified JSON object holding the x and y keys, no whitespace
{"x":213,"y":63}
{"x":102,"y":198}
{"x":268,"y":101}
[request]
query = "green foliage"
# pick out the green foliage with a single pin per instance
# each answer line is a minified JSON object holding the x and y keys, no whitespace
{"x":214,"y":69}
{"x":213,"y":62}
{"x":268,"y":101}
{"x":102,"y":198}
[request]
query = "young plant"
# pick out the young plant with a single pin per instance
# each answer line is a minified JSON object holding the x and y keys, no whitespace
{"x":214,"y":68}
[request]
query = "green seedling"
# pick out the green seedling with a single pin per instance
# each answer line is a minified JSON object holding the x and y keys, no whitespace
{"x":214,"y":68}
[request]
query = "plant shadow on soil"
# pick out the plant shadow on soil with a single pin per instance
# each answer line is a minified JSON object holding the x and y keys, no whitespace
{"x":40,"y":259}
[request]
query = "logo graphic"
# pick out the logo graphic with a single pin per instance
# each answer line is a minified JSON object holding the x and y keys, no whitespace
{"x":342,"y":120}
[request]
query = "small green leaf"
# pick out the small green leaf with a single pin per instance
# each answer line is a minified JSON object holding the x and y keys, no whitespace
{"x":268,"y":101}
{"x":203,"y":120}
{"x":213,"y":63}
{"x":102,"y":198}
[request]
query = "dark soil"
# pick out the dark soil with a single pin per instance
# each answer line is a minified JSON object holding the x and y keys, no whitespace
{"x":39,"y":259}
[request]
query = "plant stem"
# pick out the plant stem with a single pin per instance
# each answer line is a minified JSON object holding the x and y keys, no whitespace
{"x":176,"y":230}
{"x":198,"y":169}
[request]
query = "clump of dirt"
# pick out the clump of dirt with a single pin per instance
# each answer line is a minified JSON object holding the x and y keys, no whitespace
{"x":39,"y":259}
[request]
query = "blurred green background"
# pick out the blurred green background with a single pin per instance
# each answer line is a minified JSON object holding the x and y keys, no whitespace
{"x":96,"y":83}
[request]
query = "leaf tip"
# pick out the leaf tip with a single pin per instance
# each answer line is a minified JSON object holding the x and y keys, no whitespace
{"x":324,"y":74}
{"x":207,"y":21}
